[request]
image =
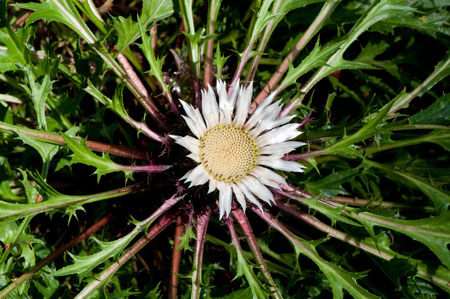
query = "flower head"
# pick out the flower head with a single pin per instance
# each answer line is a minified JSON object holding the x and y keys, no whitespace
{"x":233,"y":152}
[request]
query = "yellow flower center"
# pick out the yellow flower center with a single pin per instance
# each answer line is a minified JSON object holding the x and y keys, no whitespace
{"x":228,"y":152}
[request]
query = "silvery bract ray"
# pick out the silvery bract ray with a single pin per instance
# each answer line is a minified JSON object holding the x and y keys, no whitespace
{"x":234,"y":149}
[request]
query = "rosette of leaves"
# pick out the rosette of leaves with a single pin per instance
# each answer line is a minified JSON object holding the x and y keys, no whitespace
{"x":90,"y":199}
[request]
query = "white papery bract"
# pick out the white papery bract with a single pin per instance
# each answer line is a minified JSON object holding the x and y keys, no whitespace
{"x":233,"y":149}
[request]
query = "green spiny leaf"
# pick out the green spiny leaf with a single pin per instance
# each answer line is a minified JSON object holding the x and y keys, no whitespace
{"x":46,"y":150}
{"x":365,"y":132}
{"x":14,"y":54}
{"x":430,"y":23}
{"x":331,"y":185}
{"x":155,"y":63}
{"x":440,"y":198}
{"x":338,"y":278}
{"x":82,"y":154}
{"x":38,"y":92}
{"x":84,"y":264}
{"x":245,"y":269}
{"x":30,"y":191}
{"x":16,"y":50}
{"x":432,"y":232}
{"x":264,"y":16}
{"x":97,"y":94}
{"x":186,"y":238}
{"x":316,"y":58}
{"x":219,"y":61}
{"x":152,"y":11}
{"x":127,"y":31}
{"x":51,"y":286}
{"x":437,"y":113}
{"x":55,"y":200}
{"x":378,"y":11}
{"x":62,"y":11}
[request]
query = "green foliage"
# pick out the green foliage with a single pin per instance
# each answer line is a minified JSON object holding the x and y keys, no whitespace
{"x":54,"y":200}
{"x":440,"y":198}
{"x":433,"y":231}
{"x":338,"y":278}
{"x":82,"y":154}
{"x":437,"y":113}
{"x":83,"y":264}
{"x":63,"y":11}
{"x":316,"y":58}
{"x":128,"y":30}
{"x":245,"y":269}
{"x":39,"y":93}
{"x":346,"y":145}
{"x":16,"y":53}
{"x":186,"y":239}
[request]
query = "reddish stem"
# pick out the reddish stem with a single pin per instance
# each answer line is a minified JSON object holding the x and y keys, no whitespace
{"x":154,"y":33}
{"x":313,"y":221}
{"x":370,"y":203}
{"x":146,"y":168}
{"x":142,"y":93}
{"x":153,"y":232}
{"x":300,"y":195}
{"x":240,"y":69}
{"x":290,"y":188}
{"x":52,"y":138}
{"x":246,"y":227}
{"x":21,"y":20}
{"x":176,"y":259}
{"x":92,"y":229}
{"x":202,"y":226}
{"x":197,"y":93}
{"x":303,"y":156}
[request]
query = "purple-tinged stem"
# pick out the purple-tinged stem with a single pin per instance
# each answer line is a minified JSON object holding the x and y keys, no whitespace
{"x":315,"y":26}
{"x":239,"y":215}
{"x":92,"y":229}
{"x":153,"y":232}
{"x":154,"y":33}
{"x":240,"y":69}
{"x":163,"y":208}
{"x":197,"y":93}
{"x":274,"y":223}
{"x":306,"y":120}
{"x":313,"y":221}
{"x":375,"y":204}
{"x":290,"y":188}
{"x":22,"y":19}
{"x":346,"y":200}
{"x":303,"y":156}
{"x":142,"y":126}
{"x":202,"y":226}
{"x":117,"y":150}
{"x":176,"y":259}
{"x":300,"y":195}
{"x":141,"y":92}
{"x":146,"y":168}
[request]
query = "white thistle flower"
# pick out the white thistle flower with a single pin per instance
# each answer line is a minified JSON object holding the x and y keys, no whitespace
{"x":233,"y":152}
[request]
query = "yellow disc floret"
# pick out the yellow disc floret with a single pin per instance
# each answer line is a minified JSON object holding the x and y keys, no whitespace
{"x":228,"y":152}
